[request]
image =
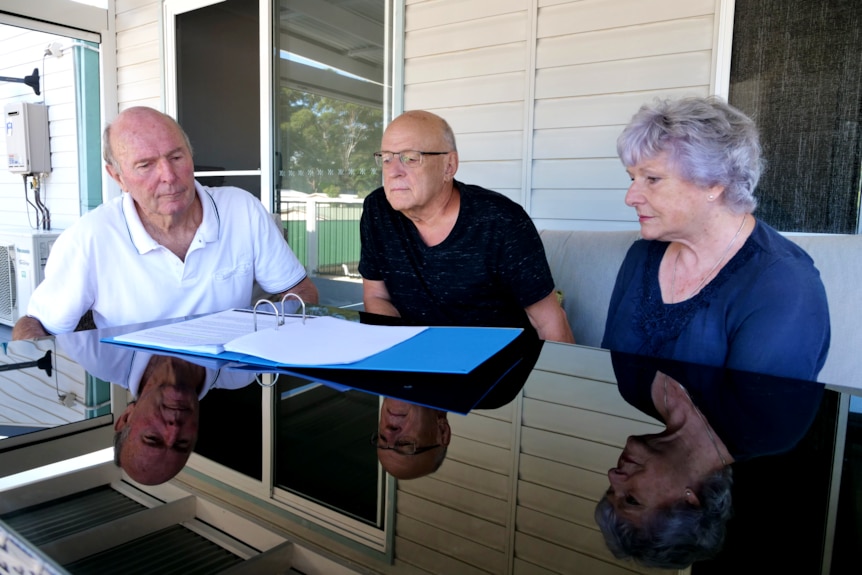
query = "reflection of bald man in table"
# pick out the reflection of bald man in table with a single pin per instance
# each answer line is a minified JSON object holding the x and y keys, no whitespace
{"x":156,"y":433}
{"x":411,"y":439}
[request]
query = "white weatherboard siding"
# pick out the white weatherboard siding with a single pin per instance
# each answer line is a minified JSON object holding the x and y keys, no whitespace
{"x":537,"y":91}
{"x":23,"y":51}
{"x":139,"y":55}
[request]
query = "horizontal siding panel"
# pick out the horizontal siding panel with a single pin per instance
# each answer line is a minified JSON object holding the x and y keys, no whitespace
{"x":422,"y":511}
{"x":480,"y":62}
{"x":480,"y":455}
{"x":583,"y":393}
{"x":521,"y":567}
{"x":601,"y":110}
{"x":596,"y":205}
{"x":497,"y":176}
{"x":144,"y":15}
{"x":465,"y":92}
{"x":139,"y":92}
{"x":146,"y":71}
{"x":494,"y":485}
{"x":500,"y":117}
{"x":588,"y":142}
{"x":587,"y":484}
{"x":573,"y":451}
{"x":483,"y":429}
{"x":652,"y":73}
{"x":590,"y":173}
{"x":140,"y":54}
{"x":456,"y":497}
{"x":494,"y":146}
{"x":445,"y":12}
{"x":504,"y":413}
{"x":464,"y":36}
{"x":564,"y":506}
{"x":137,"y":36}
{"x":623,"y":43}
{"x":579,"y":361}
{"x":128,"y":5}
{"x":146,"y":100}
{"x":451,"y":545}
{"x":431,"y":561}
{"x":589,"y":15}
{"x":562,"y":560}
{"x":582,"y":423}
{"x":584,"y":539}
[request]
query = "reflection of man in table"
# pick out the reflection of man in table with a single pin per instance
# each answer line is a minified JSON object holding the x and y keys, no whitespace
{"x":411,"y":439}
{"x":157,"y":432}
{"x":168,"y":247}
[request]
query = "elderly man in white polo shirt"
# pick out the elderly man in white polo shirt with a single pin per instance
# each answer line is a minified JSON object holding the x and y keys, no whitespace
{"x":168,"y":247}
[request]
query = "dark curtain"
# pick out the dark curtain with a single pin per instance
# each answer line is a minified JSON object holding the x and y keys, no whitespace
{"x":796,"y":68}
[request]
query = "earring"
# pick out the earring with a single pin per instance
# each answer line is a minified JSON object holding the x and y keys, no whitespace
{"x":710,"y":197}
{"x":688,"y":492}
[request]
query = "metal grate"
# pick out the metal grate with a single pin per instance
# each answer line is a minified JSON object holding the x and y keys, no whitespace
{"x":8,"y":291}
{"x":46,"y":522}
{"x":174,"y":550}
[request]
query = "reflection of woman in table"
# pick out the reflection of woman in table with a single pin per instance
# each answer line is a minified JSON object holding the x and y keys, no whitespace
{"x":669,"y":495}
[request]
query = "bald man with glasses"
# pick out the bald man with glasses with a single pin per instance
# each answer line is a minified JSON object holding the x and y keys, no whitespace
{"x":436,"y":251}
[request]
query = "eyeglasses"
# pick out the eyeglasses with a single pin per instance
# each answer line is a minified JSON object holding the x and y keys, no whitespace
{"x":408,"y":158}
{"x":402,"y":447}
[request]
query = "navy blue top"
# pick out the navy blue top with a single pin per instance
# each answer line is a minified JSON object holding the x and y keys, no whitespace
{"x":765,"y":311}
{"x":490,"y":267}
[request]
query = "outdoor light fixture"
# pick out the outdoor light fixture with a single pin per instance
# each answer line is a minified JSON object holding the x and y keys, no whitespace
{"x":32,"y":80}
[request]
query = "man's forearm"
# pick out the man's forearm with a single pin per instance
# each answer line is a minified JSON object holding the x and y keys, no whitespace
{"x":306,"y":290}
{"x":380,"y":306}
{"x":28,"y":328}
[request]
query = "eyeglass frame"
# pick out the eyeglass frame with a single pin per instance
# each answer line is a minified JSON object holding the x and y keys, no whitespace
{"x":416,"y":450}
{"x":378,"y":157}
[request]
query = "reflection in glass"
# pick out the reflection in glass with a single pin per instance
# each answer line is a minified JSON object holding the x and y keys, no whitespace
{"x":40,"y":389}
{"x":412,"y":439}
{"x":321,"y":447}
{"x":670,"y":493}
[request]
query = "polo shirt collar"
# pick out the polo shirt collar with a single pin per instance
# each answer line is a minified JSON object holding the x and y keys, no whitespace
{"x":208,"y":229}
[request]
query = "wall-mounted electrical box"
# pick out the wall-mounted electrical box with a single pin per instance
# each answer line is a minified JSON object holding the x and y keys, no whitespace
{"x":27,"y":139}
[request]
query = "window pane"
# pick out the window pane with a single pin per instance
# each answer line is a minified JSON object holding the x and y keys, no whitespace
{"x":218,"y":83}
{"x":331,"y":108}
{"x":797,"y":69}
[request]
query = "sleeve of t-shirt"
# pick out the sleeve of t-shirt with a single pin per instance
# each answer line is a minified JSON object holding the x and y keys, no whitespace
{"x":369,"y":267}
{"x":525,"y":266}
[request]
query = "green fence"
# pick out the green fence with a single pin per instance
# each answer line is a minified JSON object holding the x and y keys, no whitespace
{"x":334,"y":225}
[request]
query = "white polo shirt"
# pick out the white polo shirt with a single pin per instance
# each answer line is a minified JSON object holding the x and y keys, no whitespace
{"x":108,"y":263}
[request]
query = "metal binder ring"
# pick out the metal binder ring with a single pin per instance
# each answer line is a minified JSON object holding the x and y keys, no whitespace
{"x":279,"y":317}
{"x":262,"y":384}
{"x":287,"y":295}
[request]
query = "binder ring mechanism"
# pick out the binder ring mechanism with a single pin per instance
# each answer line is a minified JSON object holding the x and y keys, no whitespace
{"x":279,"y":316}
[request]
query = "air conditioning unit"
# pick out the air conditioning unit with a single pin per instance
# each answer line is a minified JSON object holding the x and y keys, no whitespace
{"x":23,"y":253}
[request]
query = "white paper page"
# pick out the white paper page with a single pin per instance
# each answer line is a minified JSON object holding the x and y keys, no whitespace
{"x":206,"y":334}
{"x":323,"y":341}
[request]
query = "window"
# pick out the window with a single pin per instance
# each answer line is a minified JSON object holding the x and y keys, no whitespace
{"x":795,"y":68}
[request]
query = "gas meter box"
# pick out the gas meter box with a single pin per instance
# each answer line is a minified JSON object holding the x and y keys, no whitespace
{"x":27,"y":147}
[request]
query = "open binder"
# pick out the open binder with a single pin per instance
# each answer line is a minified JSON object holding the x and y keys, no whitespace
{"x":276,"y":340}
